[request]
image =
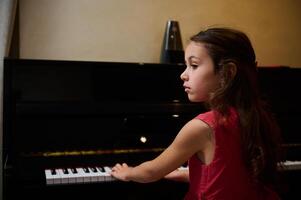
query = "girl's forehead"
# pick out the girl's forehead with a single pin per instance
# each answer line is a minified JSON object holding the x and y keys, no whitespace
{"x":195,"y":44}
{"x":195,"y":49}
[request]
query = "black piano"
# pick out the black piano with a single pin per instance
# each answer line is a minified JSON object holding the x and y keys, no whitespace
{"x":63,"y":115}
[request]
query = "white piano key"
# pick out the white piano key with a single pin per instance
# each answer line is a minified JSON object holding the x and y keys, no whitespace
{"x":94,"y":174}
{"x":108,"y":176}
{"x":88,"y":175}
{"x":80,"y":175}
{"x":57,"y":177}
{"x":101,"y":174}
{"x":49,"y":177}
{"x":105,"y":173}
{"x":52,"y":176}
{"x":64,"y":177}
{"x":71,"y":176}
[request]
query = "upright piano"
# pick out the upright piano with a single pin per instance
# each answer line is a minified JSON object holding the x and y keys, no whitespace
{"x":60,"y":116}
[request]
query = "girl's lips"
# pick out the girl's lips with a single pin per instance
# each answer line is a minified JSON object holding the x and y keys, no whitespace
{"x":186,"y":88}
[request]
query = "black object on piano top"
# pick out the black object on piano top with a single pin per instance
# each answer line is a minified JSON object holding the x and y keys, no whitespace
{"x":66,"y":114}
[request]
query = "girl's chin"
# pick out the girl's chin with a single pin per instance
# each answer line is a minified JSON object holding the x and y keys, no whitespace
{"x":194,"y":100}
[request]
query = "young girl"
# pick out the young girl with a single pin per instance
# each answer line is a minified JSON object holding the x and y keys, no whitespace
{"x":231,"y":149}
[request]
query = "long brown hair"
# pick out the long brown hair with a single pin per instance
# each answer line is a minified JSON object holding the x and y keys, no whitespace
{"x":260,"y":133}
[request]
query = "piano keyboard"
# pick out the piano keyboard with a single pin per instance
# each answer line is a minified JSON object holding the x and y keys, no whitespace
{"x":103,"y":174}
{"x":80,"y":175}
{"x":290,"y":165}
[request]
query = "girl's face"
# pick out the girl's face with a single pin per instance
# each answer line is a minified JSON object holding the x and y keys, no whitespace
{"x":199,"y":77}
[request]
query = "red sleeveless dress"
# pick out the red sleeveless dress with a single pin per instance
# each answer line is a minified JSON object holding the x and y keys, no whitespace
{"x":226,"y":177}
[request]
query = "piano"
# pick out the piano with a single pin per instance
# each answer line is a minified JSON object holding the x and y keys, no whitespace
{"x":66,"y":123}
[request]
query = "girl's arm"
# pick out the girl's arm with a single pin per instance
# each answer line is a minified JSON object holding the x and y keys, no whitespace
{"x":192,"y":138}
{"x":181,"y":175}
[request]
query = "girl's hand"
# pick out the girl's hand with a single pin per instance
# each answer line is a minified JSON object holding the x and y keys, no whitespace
{"x":121,"y":172}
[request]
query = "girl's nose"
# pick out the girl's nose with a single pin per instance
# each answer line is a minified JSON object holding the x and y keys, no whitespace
{"x":184,"y":76}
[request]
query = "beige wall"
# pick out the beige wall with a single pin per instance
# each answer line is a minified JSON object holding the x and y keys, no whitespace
{"x":132,"y":30}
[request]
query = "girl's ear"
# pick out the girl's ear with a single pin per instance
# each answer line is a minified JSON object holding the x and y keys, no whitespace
{"x":228,"y":72}
{"x":229,"y":67}
{"x":232,"y":69}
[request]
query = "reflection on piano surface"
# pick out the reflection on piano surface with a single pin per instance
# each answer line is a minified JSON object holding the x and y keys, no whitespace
{"x":67,"y":122}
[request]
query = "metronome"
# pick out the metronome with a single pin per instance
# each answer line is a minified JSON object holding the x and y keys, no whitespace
{"x":172,"y":48}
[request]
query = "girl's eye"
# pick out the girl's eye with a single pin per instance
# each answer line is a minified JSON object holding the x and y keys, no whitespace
{"x":194,"y":66}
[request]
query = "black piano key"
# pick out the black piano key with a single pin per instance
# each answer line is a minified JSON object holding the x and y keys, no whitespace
{"x":53,"y":171}
{"x":93,"y":169}
{"x":86,"y":169}
{"x":65,"y":171}
{"x":101,"y":169}
{"x":73,"y":170}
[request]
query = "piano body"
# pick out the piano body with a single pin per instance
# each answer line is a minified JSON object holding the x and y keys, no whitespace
{"x":62,"y":115}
